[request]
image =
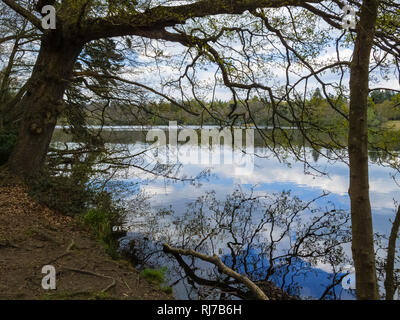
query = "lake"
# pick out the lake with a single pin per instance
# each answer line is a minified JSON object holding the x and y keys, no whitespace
{"x":187,"y":205}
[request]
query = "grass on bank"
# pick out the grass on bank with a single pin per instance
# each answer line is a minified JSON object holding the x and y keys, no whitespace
{"x":100,"y":223}
{"x":158,"y":277}
{"x":94,"y":210}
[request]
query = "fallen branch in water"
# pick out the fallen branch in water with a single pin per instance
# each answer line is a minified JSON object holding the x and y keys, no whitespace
{"x":256,"y":291}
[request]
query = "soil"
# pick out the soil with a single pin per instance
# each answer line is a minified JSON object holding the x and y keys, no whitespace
{"x":32,"y":236}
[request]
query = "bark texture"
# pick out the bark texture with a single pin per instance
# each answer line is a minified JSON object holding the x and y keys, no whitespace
{"x":361,"y":217}
{"x":42,"y":102}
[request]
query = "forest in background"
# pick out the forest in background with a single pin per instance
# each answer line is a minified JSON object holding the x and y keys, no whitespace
{"x":383,"y":110}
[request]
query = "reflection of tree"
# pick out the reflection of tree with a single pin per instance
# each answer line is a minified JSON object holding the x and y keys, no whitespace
{"x":388,"y":266}
{"x":392,"y":282}
{"x":315,"y":155}
{"x":268,"y":238}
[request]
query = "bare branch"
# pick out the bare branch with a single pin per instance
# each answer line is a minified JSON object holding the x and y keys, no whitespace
{"x":25,"y":13}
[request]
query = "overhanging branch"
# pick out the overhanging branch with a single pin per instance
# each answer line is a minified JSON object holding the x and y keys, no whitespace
{"x":168,"y":16}
{"x":25,"y":13}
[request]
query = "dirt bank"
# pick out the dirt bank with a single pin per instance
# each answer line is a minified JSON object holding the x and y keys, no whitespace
{"x":32,"y":236}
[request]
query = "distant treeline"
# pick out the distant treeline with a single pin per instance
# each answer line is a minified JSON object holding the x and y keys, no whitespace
{"x":384,"y":105}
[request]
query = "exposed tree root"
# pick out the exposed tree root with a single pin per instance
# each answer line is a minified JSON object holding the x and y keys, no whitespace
{"x":112,"y":284}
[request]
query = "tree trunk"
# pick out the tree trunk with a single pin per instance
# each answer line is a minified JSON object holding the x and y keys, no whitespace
{"x":361,"y":217}
{"x":5,"y":82}
{"x":389,"y":267}
{"x":42,"y":102}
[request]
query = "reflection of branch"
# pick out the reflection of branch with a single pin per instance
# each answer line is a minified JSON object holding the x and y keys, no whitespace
{"x":257,"y":292}
{"x":332,"y":285}
{"x":389,"y":267}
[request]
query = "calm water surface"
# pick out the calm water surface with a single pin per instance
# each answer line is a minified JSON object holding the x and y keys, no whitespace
{"x":269,"y":175}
